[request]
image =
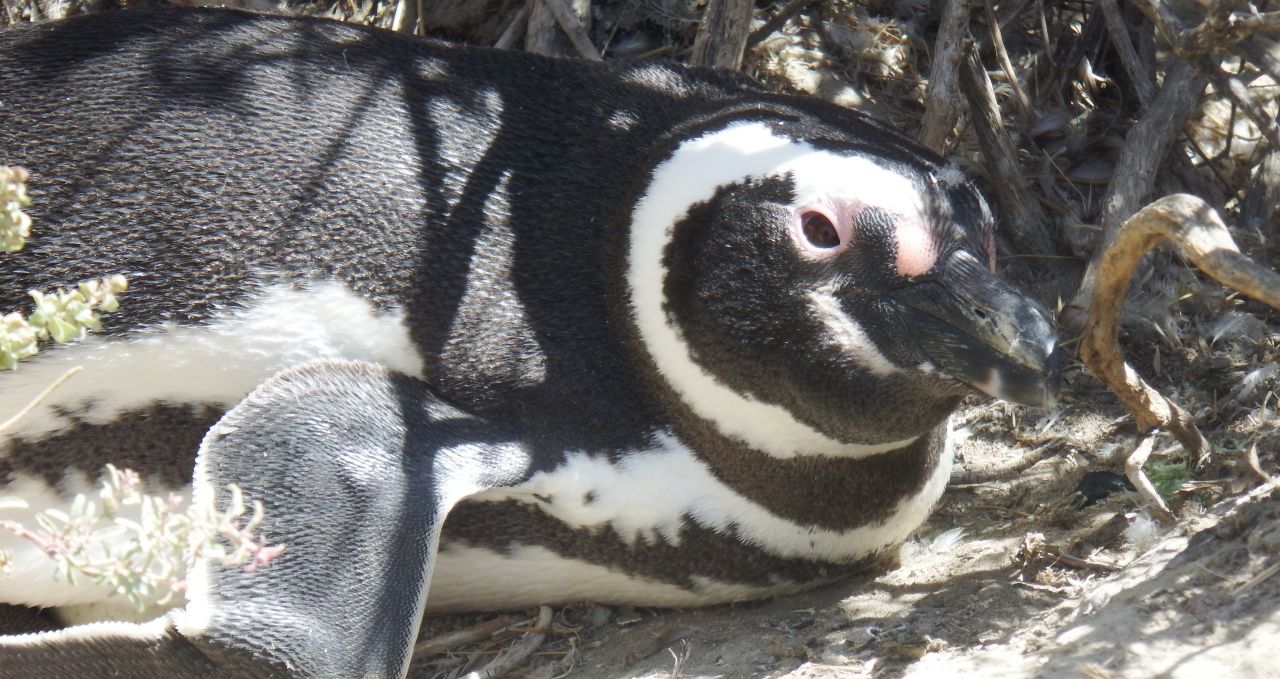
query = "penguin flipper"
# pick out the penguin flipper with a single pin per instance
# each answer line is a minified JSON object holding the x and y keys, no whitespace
{"x":357,"y":467}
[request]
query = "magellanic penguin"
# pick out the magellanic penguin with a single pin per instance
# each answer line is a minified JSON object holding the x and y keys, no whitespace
{"x":645,"y":334}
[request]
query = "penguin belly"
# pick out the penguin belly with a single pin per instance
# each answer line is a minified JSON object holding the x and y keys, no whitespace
{"x":144,"y":402}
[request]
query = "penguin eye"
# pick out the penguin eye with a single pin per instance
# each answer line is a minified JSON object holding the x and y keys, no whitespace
{"x":819,"y":230}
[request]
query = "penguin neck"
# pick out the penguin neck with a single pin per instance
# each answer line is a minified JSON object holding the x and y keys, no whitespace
{"x":832,"y":493}
{"x":719,"y":418}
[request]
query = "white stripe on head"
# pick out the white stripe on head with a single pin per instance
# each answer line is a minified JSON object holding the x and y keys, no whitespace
{"x":699,"y":167}
{"x":847,"y":334}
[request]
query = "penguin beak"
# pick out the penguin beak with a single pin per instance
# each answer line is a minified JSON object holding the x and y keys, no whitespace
{"x":974,"y":327}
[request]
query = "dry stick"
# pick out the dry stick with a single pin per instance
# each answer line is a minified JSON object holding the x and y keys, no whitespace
{"x":940,"y":98}
{"x":722,"y":35}
{"x":1024,"y":218}
{"x":1146,"y":89}
{"x":1240,"y":94}
{"x":1197,"y":230}
{"x":1258,"y":579}
{"x":38,"y":399}
{"x":1255,"y":465}
{"x":997,"y":43}
{"x":470,"y":635}
{"x":1222,"y":27}
{"x":1004,"y":470}
{"x":1262,"y":57}
{"x":405,"y":20}
{"x":777,"y":21}
{"x":1145,"y":148}
{"x":1091,"y":35}
{"x":1129,"y":60}
{"x":515,"y":30}
{"x":1133,"y":465}
{"x":517,"y":654}
{"x":1012,"y":15}
{"x":571,"y":23}
{"x":1262,"y":202}
{"x":1044,"y":34}
{"x":541,"y":36}
{"x":1140,"y":76}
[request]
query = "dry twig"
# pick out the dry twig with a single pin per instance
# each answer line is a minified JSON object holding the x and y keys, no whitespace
{"x":1002,"y":55}
{"x":940,"y":98}
{"x":722,"y":35}
{"x":1006,"y":470}
{"x":1197,"y":230}
{"x":1129,"y":59}
{"x":38,"y":399}
{"x":1222,"y":27}
{"x":571,"y":22}
{"x":542,"y":37}
{"x":1262,"y":203}
{"x":1134,"y":177}
{"x":517,"y":654}
{"x":1251,"y":107}
{"x":777,"y":21}
{"x":1133,"y":465}
{"x":441,"y":643}
{"x":406,"y":17}
{"x":1024,"y":219}
{"x":515,"y":30}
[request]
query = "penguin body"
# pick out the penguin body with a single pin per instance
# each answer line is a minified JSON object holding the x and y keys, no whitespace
{"x":644,"y":334}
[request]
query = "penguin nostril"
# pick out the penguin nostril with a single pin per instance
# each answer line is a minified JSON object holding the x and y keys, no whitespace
{"x":819,"y":230}
{"x":980,"y":313}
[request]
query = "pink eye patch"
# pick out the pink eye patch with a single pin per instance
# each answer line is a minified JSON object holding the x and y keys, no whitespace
{"x":917,"y":248}
{"x":824,"y":230}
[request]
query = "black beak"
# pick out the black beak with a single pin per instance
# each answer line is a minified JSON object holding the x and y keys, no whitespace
{"x":974,"y":327}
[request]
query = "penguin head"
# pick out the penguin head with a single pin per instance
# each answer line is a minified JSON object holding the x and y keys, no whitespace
{"x":815,"y":290}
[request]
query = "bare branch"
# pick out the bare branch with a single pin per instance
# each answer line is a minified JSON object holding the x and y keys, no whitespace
{"x":997,"y":43}
{"x":777,"y":21}
{"x":1262,"y":202}
{"x":572,"y":23}
{"x":1248,"y":104}
{"x":1024,"y":219}
{"x":1129,"y":59}
{"x":940,"y":98}
{"x":1145,"y":148}
{"x":1197,"y":230}
{"x":515,"y":30}
{"x":1221,"y":28}
{"x":1133,"y":471}
{"x":405,"y":20}
{"x":541,"y":36}
{"x":517,"y":654}
{"x":722,"y":35}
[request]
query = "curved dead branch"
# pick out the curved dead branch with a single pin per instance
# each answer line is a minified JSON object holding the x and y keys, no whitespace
{"x":1197,"y":230}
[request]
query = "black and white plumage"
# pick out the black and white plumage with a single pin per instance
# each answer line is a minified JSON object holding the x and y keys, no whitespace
{"x":647,"y":335}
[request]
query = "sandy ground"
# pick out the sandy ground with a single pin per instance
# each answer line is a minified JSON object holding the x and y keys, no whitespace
{"x":1192,"y":600}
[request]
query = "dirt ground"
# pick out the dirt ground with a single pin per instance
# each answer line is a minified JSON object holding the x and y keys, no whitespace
{"x":974,"y":597}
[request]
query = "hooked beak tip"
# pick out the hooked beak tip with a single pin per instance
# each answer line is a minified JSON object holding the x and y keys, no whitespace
{"x":1035,"y":393}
